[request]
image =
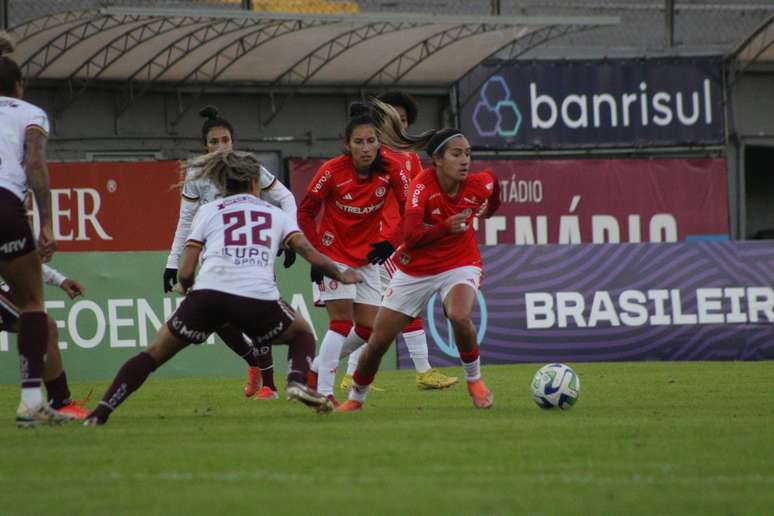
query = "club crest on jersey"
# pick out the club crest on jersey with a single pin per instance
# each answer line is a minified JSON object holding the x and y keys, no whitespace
{"x":381,"y":191}
{"x":327,"y":239}
{"x":404,"y":258}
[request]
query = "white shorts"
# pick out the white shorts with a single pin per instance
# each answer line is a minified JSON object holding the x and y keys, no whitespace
{"x":367,"y":293}
{"x":386,"y":271}
{"x":409,"y":294}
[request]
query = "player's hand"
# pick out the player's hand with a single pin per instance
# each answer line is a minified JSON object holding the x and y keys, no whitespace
{"x":290,"y":257}
{"x":456,"y":223}
{"x":170,"y":278}
{"x":316,"y":275}
{"x":72,"y":288}
{"x":46,"y":243}
{"x":380,"y":252}
{"x":350,"y":276}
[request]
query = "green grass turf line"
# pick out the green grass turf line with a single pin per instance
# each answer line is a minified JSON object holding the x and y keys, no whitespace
{"x":644,"y":438}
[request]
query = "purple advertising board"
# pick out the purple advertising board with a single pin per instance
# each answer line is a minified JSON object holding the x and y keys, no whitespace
{"x":614,"y":302}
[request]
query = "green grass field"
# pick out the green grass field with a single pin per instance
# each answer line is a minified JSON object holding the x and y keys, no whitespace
{"x":645,"y":438}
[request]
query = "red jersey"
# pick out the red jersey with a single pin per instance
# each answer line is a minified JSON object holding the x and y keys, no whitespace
{"x":429,"y":247}
{"x":352,"y":208}
{"x":391,"y":213}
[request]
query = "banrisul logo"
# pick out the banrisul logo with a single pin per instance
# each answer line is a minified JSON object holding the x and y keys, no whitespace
{"x":496,"y":113}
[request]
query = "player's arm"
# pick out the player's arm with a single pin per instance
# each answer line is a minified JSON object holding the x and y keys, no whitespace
{"x":298,"y":242}
{"x":382,"y":250}
{"x":191,"y":254}
{"x":416,"y":233}
{"x":278,"y":194}
{"x":188,"y":208}
{"x":311,"y":205}
{"x":492,"y":185}
{"x":53,"y":277}
{"x":36,"y":169}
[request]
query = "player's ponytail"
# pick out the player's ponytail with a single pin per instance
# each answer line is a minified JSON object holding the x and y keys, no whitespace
{"x":391,"y":131}
{"x":231,"y":171}
{"x":212,"y":119}
{"x":10,"y":73}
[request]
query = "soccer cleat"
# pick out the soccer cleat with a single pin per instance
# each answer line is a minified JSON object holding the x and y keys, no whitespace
{"x":332,"y":400}
{"x":265,"y":393}
{"x":74,"y":409}
{"x":350,"y":406}
{"x":43,"y":414}
{"x":254,"y":382}
{"x":481,"y":396}
{"x":434,"y":379}
{"x":346,"y":384}
{"x":311,"y":379}
{"x":310,"y":398}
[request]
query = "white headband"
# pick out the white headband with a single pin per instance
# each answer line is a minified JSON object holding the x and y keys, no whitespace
{"x":447,"y":140}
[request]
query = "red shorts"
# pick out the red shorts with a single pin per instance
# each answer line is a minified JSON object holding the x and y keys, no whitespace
{"x":16,"y":237}
{"x":204,"y":312}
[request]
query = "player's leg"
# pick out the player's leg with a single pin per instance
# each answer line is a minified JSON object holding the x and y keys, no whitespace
{"x":23,"y":275}
{"x":242,"y":347}
{"x":416,"y":342}
{"x":459,"y":296}
{"x":55,"y":379}
{"x":387,"y":325}
{"x":340,"y":315}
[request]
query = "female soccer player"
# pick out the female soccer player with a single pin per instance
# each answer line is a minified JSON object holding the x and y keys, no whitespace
{"x":22,"y":167}
{"x":218,"y":135}
{"x":237,"y":238}
{"x":439,"y":254}
{"x":414,"y":332}
{"x":351,"y":189}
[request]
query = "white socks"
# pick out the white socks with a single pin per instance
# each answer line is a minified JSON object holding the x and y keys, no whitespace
{"x":328,"y":361}
{"x":416,"y":342}
{"x":32,"y":397}
{"x":472,"y":370}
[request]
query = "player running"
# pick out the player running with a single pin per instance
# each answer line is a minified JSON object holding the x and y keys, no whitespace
{"x":351,"y":190}
{"x":439,"y":254}
{"x":237,"y":238}
{"x":218,"y":135}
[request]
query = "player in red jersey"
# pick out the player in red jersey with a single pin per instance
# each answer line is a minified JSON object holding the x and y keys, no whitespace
{"x":351,"y":189}
{"x":439,"y":254}
{"x":414,"y":333}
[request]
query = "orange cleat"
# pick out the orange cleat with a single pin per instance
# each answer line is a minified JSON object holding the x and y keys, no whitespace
{"x":350,"y":406}
{"x":75,"y":410}
{"x":254,"y":381}
{"x":311,"y":380}
{"x":481,"y":396}
{"x":265,"y":393}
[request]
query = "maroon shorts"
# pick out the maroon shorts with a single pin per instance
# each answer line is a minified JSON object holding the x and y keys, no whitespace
{"x":204,"y":312}
{"x":15,"y":233}
{"x":9,"y":314}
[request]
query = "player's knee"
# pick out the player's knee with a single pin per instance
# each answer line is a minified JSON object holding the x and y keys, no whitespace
{"x":458,"y":318}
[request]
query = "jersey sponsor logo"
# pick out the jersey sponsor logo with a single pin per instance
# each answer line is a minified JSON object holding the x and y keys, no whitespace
{"x":13,"y":246}
{"x":358,"y":210}
{"x":347,"y":197}
{"x":381,"y":191}
{"x":415,"y":195}
{"x":327,"y":239}
{"x":436,"y":212}
{"x":321,"y":182}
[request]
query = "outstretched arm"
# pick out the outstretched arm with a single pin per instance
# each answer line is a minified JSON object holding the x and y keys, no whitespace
{"x":298,"y":242}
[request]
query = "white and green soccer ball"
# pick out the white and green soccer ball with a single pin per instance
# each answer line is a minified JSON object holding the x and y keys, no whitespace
{"x":555,"y":385}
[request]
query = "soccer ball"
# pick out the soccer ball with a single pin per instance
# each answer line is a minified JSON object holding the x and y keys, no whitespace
{"x":555,"y":385}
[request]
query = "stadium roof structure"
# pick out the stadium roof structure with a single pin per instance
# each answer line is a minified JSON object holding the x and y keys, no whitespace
{"x":757,"y":49}
{"x":143,"y":47}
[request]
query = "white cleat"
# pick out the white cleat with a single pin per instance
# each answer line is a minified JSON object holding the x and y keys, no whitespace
{"x":310,"y":398}
{"x":43,"y":414}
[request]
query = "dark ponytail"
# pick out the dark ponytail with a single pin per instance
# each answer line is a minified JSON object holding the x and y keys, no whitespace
{"x":10,"y":73}
{"x":210,"y":114}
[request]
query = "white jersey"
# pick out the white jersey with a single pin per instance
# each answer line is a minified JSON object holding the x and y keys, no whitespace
{"x":241,"y":235}
{"x":202,"y":191}
{"x":16,"y":116}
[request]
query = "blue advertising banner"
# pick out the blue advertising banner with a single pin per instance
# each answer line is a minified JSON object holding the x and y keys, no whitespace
{"x":554,"y":303}
{"x":616,"y":103}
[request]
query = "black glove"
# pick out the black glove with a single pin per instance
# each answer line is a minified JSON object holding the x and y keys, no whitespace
{"x":290,"y":258}
{"x":316,"y":275}
{"x":170,"y":278}
{"x":380,"y":252}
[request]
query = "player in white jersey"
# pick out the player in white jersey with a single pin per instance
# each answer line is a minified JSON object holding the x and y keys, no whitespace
{"x":236,"y":238}
{"x":218,"y":135}
{"x":23,"y":137}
